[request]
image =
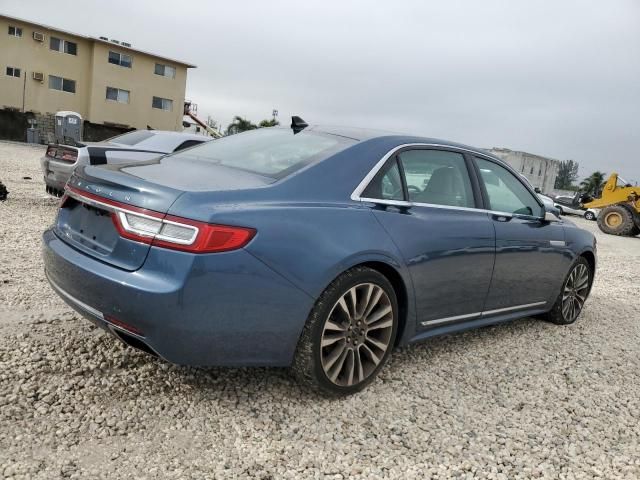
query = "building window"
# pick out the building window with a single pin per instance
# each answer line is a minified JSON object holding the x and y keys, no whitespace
{"x":117,"y":95}
{"x":531,"y":172}
{"x":13,"y":72}
{"x":539,"y":171}
{"x":15,"y":31}
{"x":162,"y":103}
{"x":165,"y":70}
{"x":63,"y":84}
{"x":120,"y":59}
{"x":64,"y":46}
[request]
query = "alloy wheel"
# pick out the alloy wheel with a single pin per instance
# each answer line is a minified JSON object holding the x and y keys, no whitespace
{"x":356,"y":334}
{"x":575,"y":292}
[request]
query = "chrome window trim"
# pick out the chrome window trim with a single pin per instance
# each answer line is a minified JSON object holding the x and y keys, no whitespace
{"x":483,"y":314}
{"x":356,"y":194}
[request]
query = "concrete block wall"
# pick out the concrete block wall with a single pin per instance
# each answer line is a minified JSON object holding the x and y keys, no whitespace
{"x":45,"y":126}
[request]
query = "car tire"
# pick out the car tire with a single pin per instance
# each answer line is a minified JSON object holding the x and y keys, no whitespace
{"x":589,"y":216}
{"x":340,"y":350}
{"x":560,"y":210}
{"x":573,"y":294}
{"x":616,"y":220}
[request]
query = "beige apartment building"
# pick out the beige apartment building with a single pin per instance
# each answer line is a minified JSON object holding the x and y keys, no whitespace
{"x":44,"y":70}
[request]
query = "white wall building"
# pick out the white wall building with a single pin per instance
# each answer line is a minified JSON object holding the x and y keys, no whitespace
{"x":540,"y":171}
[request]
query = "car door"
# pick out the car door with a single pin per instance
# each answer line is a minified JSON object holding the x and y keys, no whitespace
{"x":531,"y":255}
{"x":428,"y":201}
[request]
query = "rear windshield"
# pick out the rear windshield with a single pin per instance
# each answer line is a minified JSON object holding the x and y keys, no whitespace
{"x":271,"y":152}
{"x":132,"y":138}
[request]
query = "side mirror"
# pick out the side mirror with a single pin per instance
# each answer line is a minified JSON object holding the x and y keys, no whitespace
{"x":550,"y":217}
{"x":537,"y":190}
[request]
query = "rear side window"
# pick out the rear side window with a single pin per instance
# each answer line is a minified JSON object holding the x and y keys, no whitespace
{"x":132,"y":138}
{"x":437,"y":177}
{"x":271,"y":152}
{"x":187,"y":144}
{"x":506,"y":192}
{"x":387,"y":184}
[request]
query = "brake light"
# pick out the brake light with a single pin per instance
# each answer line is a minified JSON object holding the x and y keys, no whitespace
{"x":69,"y":155}
{"x":168,"y":231}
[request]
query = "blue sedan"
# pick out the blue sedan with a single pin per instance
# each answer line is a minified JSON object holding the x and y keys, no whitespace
{"x":317,"y":248}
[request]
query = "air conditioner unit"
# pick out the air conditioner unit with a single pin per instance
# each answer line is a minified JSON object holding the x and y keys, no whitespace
{"x":39,"y":37}
{"x":39,"y":76}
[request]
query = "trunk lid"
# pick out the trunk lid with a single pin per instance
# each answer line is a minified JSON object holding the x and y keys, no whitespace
{"x":85,"y":218}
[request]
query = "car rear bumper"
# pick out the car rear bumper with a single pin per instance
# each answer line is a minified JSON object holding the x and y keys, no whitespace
{"x":218,"y":309}
{"x":56,"y":173}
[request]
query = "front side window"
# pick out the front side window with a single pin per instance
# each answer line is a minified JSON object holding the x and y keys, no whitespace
{"x":506,"y":193}
{"x":15,"y":31}
{"x":64,"y":46}
{"x":13,"y":72}
{"x":162,"y":103}
{"x":63,"y":84}
{"x":437,"y":177}
{"x":120,"y":59}
{"x":117,"y":95}
{"x":165,"y":70}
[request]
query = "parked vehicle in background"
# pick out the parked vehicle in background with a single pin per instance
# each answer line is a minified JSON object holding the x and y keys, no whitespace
{"x":569,"y":205}
{"x":317,"y":248}
{"x":591,"y":213}
{"x":60,"y":160}
{"x":549,"y":204}
{"x":620,"y":204}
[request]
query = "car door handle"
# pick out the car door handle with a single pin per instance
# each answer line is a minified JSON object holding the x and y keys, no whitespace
{"x":501,"y":217}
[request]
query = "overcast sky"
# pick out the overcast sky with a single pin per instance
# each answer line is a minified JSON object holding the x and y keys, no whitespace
{"x":556,"y":78}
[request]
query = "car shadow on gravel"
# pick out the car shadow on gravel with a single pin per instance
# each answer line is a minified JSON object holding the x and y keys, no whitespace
{"x":225,"y":382}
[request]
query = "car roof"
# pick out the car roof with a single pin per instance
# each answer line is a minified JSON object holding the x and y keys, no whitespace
{"x":364,"y":134}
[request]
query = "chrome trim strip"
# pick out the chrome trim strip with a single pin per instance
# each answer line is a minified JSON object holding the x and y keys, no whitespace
{"x":355,"y":195}
{"x":89,"y":309}
{"x":451,"y":319}
{"x":558,"y":243}
{"x":471,"y":316}
{"x":74,"y":300}
{"x":516,"y":307}
{"x":372,"y":173}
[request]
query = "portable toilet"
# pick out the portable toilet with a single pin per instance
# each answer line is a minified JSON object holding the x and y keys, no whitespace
{"x":68,"y":128}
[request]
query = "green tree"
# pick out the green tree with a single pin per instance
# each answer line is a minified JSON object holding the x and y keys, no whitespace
{"x":567,"y":174}
{"x":240,"y":124}
{"x":592,"y":185}
{"x":268,"y":123}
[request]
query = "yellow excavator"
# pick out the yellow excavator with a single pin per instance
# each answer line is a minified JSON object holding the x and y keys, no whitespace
{"x":620,"y":207}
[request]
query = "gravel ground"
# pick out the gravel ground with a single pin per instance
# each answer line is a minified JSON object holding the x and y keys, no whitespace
{"x":527,"y":399}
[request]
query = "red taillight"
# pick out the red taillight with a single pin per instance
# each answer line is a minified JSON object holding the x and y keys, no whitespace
{"x":167,"y":231}
{"x":69,"y":155}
